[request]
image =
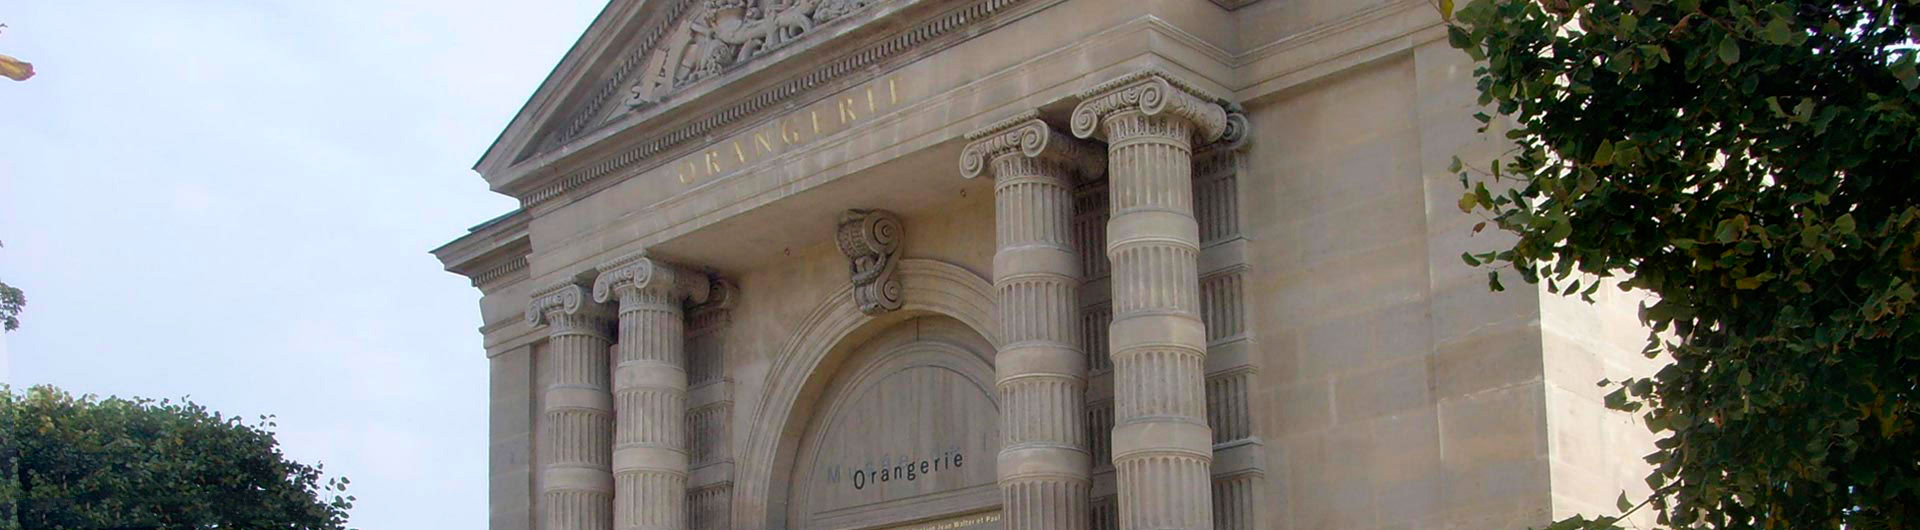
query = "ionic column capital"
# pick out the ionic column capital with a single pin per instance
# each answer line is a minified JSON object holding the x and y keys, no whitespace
{"x":565,"y":306}
{"x":1151,"y":92}
{"x":639,"y":275}
{"x":1026,"y":136}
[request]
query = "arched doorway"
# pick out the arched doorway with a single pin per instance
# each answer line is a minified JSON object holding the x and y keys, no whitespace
{"x":812,"y":360}
{"x":906,"y":432}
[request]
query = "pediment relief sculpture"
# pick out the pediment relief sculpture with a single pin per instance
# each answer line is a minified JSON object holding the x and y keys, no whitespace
{"x":723,"y":33}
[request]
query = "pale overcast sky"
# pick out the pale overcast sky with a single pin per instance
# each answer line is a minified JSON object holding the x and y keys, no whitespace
{"x":234,"y":200}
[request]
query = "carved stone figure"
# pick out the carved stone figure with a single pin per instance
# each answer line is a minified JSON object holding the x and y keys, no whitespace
{"x":832,"y":9}
{"x":871,"y":239}
{"x":724,"y":33}
{"x":793,"y":21}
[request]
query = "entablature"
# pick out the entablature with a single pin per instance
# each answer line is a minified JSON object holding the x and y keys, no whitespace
{"x":492,"y":253}
{"x":672,"y":103}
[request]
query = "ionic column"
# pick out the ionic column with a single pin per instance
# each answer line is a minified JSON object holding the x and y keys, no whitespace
{"x":650,"y":390}
{"x":578,"y":416}
{"x":1162,"y":447}
{"x":1044,"y":466}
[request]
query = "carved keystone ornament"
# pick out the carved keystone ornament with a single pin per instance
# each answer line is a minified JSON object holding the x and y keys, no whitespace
{"x":871,"y":239}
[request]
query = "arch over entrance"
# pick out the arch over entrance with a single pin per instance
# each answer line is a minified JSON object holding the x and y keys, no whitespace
{"x":808,"y":361}
{"x":904,"y":432}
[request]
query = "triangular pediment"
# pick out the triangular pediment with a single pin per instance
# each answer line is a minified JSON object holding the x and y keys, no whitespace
{"x":638,"y":53}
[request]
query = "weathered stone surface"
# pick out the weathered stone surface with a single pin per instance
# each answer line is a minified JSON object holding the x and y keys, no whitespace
{"x":1236,"y":304}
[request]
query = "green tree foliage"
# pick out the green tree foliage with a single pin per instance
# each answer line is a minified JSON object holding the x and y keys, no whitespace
{"x":11,"y":302}
{"x":1756,"y":166}
{"x":80,"y":462}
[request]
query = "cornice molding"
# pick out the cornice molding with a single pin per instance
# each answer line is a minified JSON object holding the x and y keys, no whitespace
{"x":491,"y":253}
{"x":647,"y":153}
{"x":1233,"y":4}
{"x":486,"y":277}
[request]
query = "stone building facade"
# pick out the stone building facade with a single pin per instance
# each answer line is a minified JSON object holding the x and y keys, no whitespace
{"x":1022,"y":264}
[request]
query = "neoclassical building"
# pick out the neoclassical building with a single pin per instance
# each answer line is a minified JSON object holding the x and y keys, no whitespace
{"x":1023,"y":264}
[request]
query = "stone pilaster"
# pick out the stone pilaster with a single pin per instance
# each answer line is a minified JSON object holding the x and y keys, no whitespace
{"x":1162,"y":446}
{"x":650,"y":390}
{"x":1239,"y":469}
{"x":578,"y":417}
{"x":710,"y":411}
{"x":1044,"y":467}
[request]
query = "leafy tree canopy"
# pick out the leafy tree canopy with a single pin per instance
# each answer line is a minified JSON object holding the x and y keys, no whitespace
{"x":80,"y":462}
{"x":1755,"y":164}
{"x":12,"y":300}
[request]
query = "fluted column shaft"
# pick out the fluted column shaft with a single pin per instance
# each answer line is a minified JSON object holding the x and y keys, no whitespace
{"x":650,"y":391}
{"x":578,"y":416}
{"x":1162,"y":446}
{"x":1044,"y":466}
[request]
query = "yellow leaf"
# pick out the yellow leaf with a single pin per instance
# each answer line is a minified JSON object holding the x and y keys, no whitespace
{"x":1446,"y":10}
{"x":15,"y":69}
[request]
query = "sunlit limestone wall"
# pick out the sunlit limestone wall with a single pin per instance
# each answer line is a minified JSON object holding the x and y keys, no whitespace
{"x":1395,"y":389}
{"x":1398,"y":390}
{"x":1595,"y":453}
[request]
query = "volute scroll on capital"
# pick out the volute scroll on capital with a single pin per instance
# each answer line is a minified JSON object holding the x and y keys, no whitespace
{"x":1152,"y":92}
{"x":650,"y":277}
{"x":1238,"y":132}
{"x":567,"y":299}
{"x":1029,"y":136}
